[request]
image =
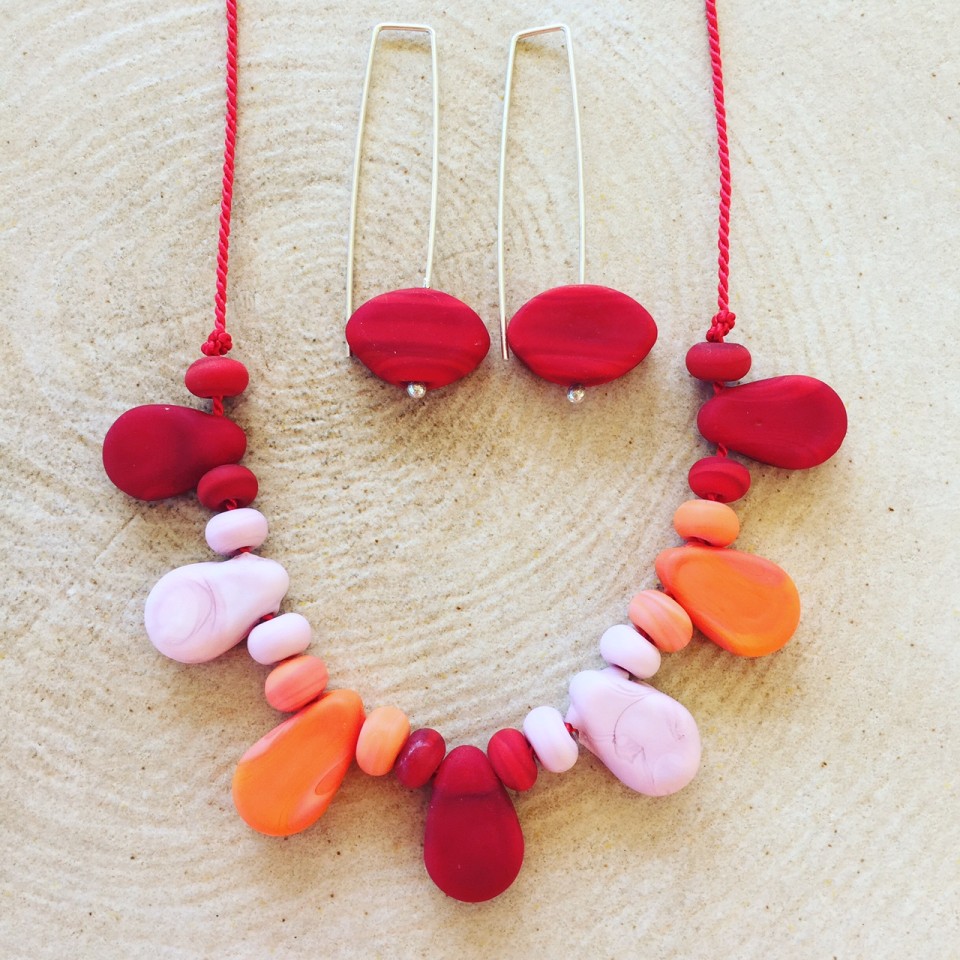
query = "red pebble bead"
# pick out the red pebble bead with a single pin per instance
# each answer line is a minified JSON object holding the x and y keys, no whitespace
{"x":581,"y":334}
{"x":719,"y":478}
{"x":418,"y":336}
{"x":511,"y":757}
{"x":718,"y":361}
{"x":157,"y":451}
{"x":793,"y":422}
{"x":419,"y":757}
{"x":473,"y":844}
{"x":216,"y":377}
{"x":227,"y":484}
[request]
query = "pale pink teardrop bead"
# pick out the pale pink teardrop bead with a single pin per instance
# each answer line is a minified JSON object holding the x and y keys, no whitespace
{"x":199,"y":611}
{"x":662,"y":619}
{"x":623,"y":646}
{"x":233,"y":530}
{"x":275,"y":640}
{"x":556,"y":750}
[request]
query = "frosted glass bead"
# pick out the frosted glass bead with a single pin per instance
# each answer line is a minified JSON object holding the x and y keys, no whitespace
{"x":275,"y":640}
{"x":556,"y":750}
{"x":233,"y":530}
{"x":623,"y":646}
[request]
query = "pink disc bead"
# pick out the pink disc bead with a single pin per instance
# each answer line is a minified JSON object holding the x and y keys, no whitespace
{"x":707,"y":520}
{"x":419,"y":757}
{"x":662,"y":620}
{"x":216,"y":377}
{"x":718,"y":361}
{"x":227,"y":484}
{"x":382,"y":736}
{"x":556,"y":750}
{"x":275,"y":640}
{"x":511,"y":757}
{"x":233,"y":530}
{"x":294,"y":683}
{"x":719,"y":478}
{"x":623,"y":646}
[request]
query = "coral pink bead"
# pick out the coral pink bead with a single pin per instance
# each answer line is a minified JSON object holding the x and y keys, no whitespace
{"x":229,"y":532}
{"x":293,"y":683}
{"x":718,"y":361}
{"x":216,"y":377}
{"x":511,"y":757}
{"x":227,"y":484}
{"x":707,"y":520}
{"x":556,"y":750}
{"x":719,"y":478}
{"x":622,"y":646}
{"x":662,"y":619}
{"x":419,"y":757}
{"x":275,"y":640}
{"x":382,"y":736}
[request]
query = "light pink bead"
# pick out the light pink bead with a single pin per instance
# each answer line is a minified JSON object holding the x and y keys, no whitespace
{"x":645,"y":738}
{"x":556,"y":750}
{"x":275,"y":640}
{"x":623,"y":646}
{"x":233,"y":530}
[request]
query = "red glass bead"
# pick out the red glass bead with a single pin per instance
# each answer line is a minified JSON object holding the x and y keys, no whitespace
{"x":718,"y":361}
{"x":216,"y":377}
{"x":511,"y":757}
{"x":157,"y":451}
{"x":419,"y":757}
{"x":793,"y":422}
{"x":418,"y":336}
{"x":719,"y":478}
{"x":473,"y":844}
{"x":229,"y":483}
{"x":581,"y":334}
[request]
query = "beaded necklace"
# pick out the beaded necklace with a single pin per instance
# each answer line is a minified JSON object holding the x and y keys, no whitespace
{"x":473,"y":847}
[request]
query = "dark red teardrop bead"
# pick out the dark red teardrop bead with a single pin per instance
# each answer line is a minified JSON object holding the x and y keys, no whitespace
{"x":418,"y":336}
{"x":718,"y":361}
{"x":793,"y":422}
{"x":157,"y":451}
{"x":216,"y":377}
{"x":719,"y":478}
{"x":512,"y":759}
{"x":419,"y":758}
{"x":581,"y":334}
{"x":473,"y":844}
{"x":230,"y":483}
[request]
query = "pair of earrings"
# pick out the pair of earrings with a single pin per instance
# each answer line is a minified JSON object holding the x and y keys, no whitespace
{"x":577,"y":335}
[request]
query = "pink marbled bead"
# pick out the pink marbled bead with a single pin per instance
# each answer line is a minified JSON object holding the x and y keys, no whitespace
{"x":275,"y":640}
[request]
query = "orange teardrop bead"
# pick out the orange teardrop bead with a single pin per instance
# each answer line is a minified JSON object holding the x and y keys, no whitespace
{"x":286,"y":780}
{"x":744,"y":603}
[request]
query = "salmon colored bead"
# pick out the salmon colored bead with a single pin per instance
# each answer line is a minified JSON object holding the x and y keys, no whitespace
{"x":662,"y":619}
{"x":419,"y":757}
{"x":707,"y":520}
{"x":382,"y":736}
{"x":295,"y":682}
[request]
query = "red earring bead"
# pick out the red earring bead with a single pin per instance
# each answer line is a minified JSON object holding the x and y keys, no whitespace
{"x":216,"y":377}
{"x":719,"y":478}
{"x":230,"y":484}
{"x":718,"y":361}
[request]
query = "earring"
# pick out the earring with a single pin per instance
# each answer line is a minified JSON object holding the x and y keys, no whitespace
{"x":417,"y":338}
{"x":579,"y":335}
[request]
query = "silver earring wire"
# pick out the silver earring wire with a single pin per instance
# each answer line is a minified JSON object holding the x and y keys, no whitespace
{"x":355,"y":192}
{"x":523,"y":35}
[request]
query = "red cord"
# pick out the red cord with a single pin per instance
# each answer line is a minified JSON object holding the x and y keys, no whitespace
{"x":219,"y":342}
{"x":724,"y":320}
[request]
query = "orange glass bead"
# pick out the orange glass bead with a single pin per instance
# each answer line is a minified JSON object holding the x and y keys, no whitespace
{"x":286,"y":780}
{"x":744,"y":603}
{"x":382,"y":738}
{"x":293,"y":683}
{"x":708,"y":520}
{"x":661,"y":619}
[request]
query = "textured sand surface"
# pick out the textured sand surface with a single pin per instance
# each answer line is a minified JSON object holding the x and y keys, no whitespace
{"x":460,"y":557}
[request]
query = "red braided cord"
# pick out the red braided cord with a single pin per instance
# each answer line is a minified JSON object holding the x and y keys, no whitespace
{"x":724,"y":320}
{"x":219,"y":342}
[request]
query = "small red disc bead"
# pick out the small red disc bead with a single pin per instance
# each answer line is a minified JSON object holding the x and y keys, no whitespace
{"x":718,"y":361}
{"x":419,"y":757}
{"x":511,"y":757}
{"x":230,"y":483}
{"x":719,"y":478}
{"x":216,"y":377}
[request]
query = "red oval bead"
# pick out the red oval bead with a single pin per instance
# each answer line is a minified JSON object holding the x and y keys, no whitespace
{"x":216,"y":377}
{"x":473,"y":844}
{"x":719,"y":478}
{"x":581,"y":334}
{"x":419,"y":757}
{"x":418,"y":336}
{"x":229,"y":483}
{"x":718,"y":361}
{"x":793,"y":422}
{"x":511,"y":757}
{"x":157,"y":451}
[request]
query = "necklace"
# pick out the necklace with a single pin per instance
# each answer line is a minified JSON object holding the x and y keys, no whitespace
{"x":473,"y":846}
